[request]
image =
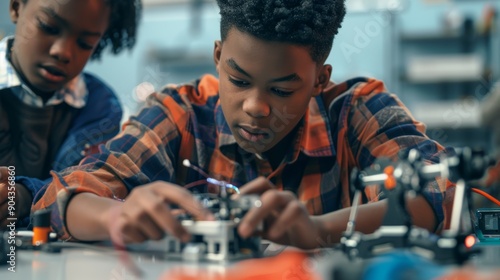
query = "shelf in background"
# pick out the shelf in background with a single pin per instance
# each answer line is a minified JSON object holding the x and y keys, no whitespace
{"x":445,"y":68}
{"x":442,"y":80}
{"x":437,"y":36}
{"x":458,"y":114}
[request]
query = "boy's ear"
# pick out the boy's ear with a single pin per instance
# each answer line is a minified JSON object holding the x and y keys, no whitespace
{"x":14,"y":7}
{"x":217,"y":54}
{"x":323,"y":78}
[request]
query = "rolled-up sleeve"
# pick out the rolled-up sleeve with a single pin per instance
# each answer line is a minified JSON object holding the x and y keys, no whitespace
{"x":145,"y":151}
{"x":379,"y":125}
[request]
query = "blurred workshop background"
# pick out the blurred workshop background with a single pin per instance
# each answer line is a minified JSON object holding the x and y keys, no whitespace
{"x":433,"y":54}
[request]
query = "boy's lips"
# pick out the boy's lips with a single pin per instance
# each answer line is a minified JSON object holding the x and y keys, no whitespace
{"x":251,"y":133}
{"x":52,"y":73}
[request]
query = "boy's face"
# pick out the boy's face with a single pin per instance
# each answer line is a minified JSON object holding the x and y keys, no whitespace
{"x":55,"y":38}
{"x":265,"y":87}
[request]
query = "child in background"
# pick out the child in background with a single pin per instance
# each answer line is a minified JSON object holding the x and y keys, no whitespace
{"x":52,"y":114}
{"x":273,"y":123}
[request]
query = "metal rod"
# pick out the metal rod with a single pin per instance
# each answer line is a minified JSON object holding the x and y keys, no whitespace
{"x":458,"y":202}
{"x":352,"y":215}
{"x":374,"y":179}
{"x":435,"y":170}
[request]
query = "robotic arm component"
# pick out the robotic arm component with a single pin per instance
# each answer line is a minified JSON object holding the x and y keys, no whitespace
{"x":410,"y":175}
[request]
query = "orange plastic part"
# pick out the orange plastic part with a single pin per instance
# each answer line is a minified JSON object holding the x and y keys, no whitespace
{"x":390,"y":182}
{"x":40,"y":235}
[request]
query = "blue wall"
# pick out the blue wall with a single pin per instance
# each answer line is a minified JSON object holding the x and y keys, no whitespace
{"x":6,"y":27}
{"x":362,"y":47}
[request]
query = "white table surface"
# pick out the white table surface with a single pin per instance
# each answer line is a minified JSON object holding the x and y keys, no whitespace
{"x":107,"y":263}
{"x":100,"y":262}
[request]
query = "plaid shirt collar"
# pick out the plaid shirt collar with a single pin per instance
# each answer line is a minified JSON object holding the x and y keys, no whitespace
{"x":74,"y":93}
{"x":306,"y":141}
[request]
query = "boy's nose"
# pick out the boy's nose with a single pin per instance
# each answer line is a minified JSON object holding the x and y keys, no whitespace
{"x":61,"y":50}
{"x":256,"y":106}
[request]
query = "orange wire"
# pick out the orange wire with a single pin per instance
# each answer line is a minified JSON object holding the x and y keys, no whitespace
{"x":196,"y":183}
{"x":491,"y":198}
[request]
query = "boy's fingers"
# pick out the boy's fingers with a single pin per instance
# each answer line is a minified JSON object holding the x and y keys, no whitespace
{"x":176,"y":228}
{"x":3,"y":212}
{"x":154,"y":224}
{"x":149,"y":212}
{"x":169,"y":223}
{"x":257,"y":186}
{"x":292,"y":214}
{"x":122,"y":231}
{"x":151,"y":229}
{"x":184,"y":199}
{"x":113,"y":222}
{"x":3,"y":193}
{"x":271,"y":200}
{"x":177,"y":212}
{"x":4,"y":174}
{"x":132,"y":235}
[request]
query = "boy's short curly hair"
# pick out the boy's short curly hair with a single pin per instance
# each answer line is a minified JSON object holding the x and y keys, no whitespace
{"x":122,"y":30}
{"x":309,"y":23}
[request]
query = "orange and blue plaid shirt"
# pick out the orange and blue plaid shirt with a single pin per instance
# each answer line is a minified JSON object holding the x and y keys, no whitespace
{"x":349,"y":125}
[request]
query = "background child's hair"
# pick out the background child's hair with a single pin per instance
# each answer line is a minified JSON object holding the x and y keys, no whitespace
{"x":309,"y":23}
{"x":122,"y":30}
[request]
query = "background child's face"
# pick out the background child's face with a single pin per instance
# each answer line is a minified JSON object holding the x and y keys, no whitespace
{"x":265,"y":88}
{"x":55,"y":38}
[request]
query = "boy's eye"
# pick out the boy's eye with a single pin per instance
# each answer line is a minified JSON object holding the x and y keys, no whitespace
{"x":282,"y":93}
{"x":84,"y":45}
{"x":238,"y":83}
{"x":48,"y":28}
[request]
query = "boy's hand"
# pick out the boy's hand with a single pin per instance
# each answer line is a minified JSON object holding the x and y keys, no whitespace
{"x":146,"y":214}
{"x":22,"y":199}
{"x":286,"y":220}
